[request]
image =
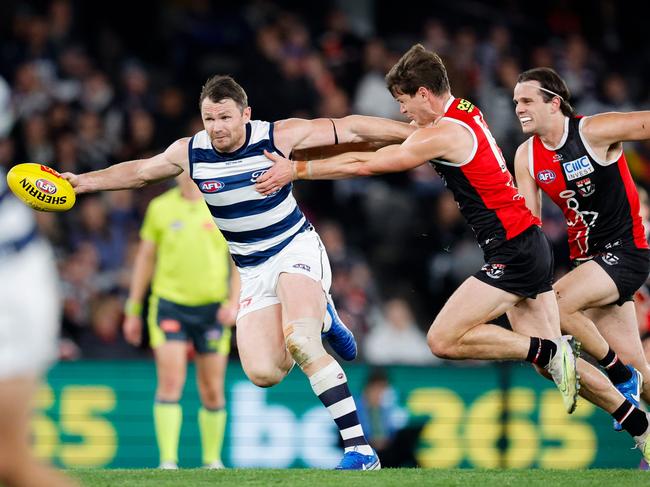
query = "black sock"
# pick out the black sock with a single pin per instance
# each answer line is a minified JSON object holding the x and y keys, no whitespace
{"x":632,"y":419}
{"x":540,"y":352}
{"x":614,"y":368}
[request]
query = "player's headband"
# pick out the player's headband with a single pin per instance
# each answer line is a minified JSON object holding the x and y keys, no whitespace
{"x":543,"y":89}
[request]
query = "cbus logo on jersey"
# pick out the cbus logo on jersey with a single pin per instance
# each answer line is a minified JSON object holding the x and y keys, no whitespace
{"x":494,"y":271}
{"x":211,"y":186}
{"x":586,"y":187}
{"x":578,"y":168}
{"x":546,"y":176}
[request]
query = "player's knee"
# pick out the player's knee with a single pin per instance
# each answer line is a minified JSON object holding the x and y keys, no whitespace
{"x":303,"y":341}
{"x":212,"y":396}
{"x":440,"y":344}
{"x":265,"y":378}
{"x":169,"y":390}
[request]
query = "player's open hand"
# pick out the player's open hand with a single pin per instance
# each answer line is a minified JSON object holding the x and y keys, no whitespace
{"x":280,"y":174}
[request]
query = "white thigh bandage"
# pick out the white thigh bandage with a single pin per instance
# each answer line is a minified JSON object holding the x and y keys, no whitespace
{"x":303,"y":340}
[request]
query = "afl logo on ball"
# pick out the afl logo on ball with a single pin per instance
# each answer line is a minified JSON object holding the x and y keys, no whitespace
{"x":45,"y":186}
{"x":546,"y":176}
{"x":211,"y":186}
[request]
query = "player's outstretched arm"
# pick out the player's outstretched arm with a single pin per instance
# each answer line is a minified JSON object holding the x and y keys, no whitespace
{"x":423,"y":145}
{"x":134,"y":174}
{"x":295,"y":133}
{"x":526,"y":185}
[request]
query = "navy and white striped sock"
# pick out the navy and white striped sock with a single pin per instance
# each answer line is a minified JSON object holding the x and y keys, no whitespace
{"x":331,"y":386}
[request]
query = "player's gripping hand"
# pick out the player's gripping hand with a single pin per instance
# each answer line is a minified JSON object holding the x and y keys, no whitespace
{"x":73,"y":179}
{"x":132,"y":328}
{"x":280,"y":174}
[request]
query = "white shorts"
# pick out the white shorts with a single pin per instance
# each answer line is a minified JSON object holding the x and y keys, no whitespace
{"x":30,"y":311}
{"x":304,"y":255}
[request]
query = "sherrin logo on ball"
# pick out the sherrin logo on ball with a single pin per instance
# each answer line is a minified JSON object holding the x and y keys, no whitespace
{"x":41,"y":187}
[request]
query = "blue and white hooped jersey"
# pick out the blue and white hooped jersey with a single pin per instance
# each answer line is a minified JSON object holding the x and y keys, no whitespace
{"x":256,"y":227}
{"x":17,"y":223}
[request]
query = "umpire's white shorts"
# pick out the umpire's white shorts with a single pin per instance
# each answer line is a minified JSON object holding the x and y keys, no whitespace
{"x":29,"y":311}
{"x":304,"y":255}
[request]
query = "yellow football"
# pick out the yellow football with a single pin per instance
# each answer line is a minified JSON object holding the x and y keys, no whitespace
{"x":41,"y":187}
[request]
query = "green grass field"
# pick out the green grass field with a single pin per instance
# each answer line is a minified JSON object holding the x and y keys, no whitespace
{"x":387,"y":477}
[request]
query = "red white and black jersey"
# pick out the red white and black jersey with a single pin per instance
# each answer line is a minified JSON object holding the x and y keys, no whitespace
{"x":599,"y":199}
{"x":482,"y":185}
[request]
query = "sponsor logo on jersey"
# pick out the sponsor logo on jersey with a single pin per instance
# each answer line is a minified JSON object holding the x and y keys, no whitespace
{"x":211,"y":186}
{"x":494,"y":271}
{"x":610,"y":259}
{"x":304,"y":267}
{"x":577,"y":168}
{"x":245,"y":302}
{"x":170,"y":326}
{"x":586,"y":187}
{"x":213,"y":334}
{"x":546,"y":176}
{"x":557,"y":157}
{"x":613,"y":244}
{"x":465,"y":106}
{"x":46,"y":186}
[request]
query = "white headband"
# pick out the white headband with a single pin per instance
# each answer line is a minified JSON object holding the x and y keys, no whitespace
{"x":542,"y":88}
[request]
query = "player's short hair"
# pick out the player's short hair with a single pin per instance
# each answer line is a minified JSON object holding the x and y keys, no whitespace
{"x":219,"y":87}
{"x":551,"y":81}
{"x":418,"y":67}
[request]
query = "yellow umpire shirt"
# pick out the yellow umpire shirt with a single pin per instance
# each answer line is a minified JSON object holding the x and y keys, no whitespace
{"x":192,"y":261}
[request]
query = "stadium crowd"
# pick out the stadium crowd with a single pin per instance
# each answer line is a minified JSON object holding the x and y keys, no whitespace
{"x":83,"y":86}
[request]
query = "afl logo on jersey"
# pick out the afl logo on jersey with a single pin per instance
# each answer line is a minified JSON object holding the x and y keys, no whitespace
{"x":578,"y":168}
{"x":546,"y":176}
{"x":45,"y":186}
{"x":211,"y":186}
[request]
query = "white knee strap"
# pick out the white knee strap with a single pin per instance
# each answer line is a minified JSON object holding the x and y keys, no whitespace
{"x":303,"y":340}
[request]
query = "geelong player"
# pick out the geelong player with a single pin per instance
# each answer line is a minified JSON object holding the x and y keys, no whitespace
{"x":29,"y":325}
{"x":517,"y":276}
{"x":579,"y":163}
{"x":285,"y":273}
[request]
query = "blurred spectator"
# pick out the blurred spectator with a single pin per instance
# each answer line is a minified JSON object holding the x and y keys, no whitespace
{"x":6,"y":111}
{"x":396,"y":339}
{"x":372,"y":97}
